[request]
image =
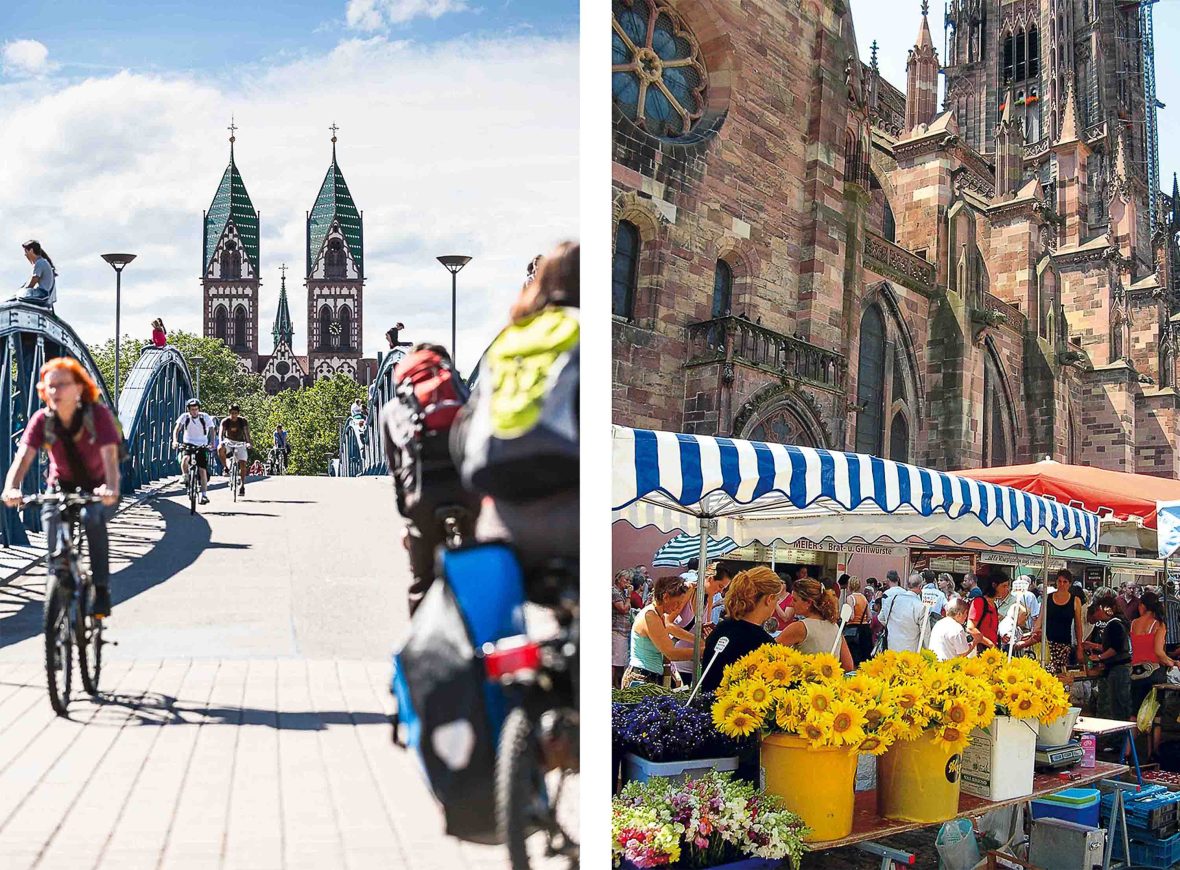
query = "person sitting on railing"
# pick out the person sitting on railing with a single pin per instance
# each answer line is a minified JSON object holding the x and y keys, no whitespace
{"x":159,"y":334}
{"x":79,"y":433}
{"x":41,"y":288}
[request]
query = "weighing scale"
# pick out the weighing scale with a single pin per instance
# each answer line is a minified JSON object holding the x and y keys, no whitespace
{"x":1058,"y":757}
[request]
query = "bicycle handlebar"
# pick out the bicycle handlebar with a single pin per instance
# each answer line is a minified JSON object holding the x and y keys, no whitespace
{"x":66,"y":498}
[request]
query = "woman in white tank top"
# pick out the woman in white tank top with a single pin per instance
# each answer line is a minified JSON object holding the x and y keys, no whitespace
{"x":817,"y":629}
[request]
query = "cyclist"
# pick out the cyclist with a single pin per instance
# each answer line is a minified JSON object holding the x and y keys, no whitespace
{"x":416,"y":449}
{"x":280,"y":443}
{"x":235,"y":434}
{"x":80,"y":435}
{"x":194,"y":428}
{"x":517,"y":445}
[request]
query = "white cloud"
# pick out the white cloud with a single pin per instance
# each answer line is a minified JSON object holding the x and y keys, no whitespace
{"x":447,"y":149}
{"x":377,"y":14}
{"x":25,"y":57}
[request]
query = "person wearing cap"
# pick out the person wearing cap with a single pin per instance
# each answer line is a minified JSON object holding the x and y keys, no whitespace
{"x":194,"y":429}
{"x":235,"y":435}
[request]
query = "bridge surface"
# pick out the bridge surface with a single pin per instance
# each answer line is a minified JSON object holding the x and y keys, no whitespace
{"x":243,"y":722}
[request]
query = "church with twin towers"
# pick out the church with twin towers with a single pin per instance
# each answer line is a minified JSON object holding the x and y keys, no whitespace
{"x":334,"y":277}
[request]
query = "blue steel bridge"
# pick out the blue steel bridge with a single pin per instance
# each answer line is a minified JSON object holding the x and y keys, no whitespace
{"x":152,"y":398}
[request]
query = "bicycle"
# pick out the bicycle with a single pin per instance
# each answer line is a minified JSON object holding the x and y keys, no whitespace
{"x":537,"y":757}
{"x":68,"y":595}
{"x":192,"y":482}
{"x":231,"y":458}
{"x":276,"y":462}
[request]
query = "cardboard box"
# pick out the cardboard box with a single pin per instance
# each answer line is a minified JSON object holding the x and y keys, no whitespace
{"x":998,"y":763}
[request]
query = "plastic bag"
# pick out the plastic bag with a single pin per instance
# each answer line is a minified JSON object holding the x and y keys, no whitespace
{"x":957,"y":849}
{"x":1147,"y":711}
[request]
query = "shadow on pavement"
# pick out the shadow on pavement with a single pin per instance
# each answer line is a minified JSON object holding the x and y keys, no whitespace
{"x":153,"y":708}
{"x":184,"y":538}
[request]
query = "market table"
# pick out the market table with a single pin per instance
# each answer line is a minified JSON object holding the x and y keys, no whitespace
{"x":867,"y":825}
{"x":1104,"y":728}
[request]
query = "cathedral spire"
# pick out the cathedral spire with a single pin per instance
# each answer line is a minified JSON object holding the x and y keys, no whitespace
{"x":873,"y":56}
{"x":1069,"y":117}
{"x":284,"y":328}
{"x":232,"y":138}
{"x":1175,"y":201}
{"x":921,"y":102}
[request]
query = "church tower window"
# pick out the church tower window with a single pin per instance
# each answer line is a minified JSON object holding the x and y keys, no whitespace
{"x":231,"y":262}
{"x":240,"y":342}
{"x":722,"y":290}
{"x":345,"y":328}
{"x":221,"y":324}
{"x":325,"y":328}
{"x":625,"y":270}
{"x":335,"y":260}
{"x":658,"y":77}
{"x":899,"y":438}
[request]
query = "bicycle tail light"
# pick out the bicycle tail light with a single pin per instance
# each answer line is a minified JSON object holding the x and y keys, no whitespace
{"x":511,"y":657}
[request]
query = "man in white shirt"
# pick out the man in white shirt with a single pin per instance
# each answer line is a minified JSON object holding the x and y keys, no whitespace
{"x":903,"y":615}
{"x":948,"y":638}
{"x":194,"y":429}
{"x":931,"y":588}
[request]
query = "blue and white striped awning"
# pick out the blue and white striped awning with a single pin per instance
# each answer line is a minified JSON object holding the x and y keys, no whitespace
{"x":682,"y":548}
{"x":760,"y":493}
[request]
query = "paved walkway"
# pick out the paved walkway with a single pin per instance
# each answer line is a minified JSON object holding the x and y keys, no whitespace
{"x":243,"y":719}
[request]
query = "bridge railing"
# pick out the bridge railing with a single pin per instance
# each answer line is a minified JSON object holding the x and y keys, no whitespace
{"x":150,"y":403}
{"x":360,"y":451}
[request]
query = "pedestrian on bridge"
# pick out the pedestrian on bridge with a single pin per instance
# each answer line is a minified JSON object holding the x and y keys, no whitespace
{"x":41,"y":288}
{"x":79,"y":433}
{"x":159,"y":334}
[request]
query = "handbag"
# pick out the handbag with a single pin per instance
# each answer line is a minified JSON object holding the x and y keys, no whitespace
{"x":882,"y":642}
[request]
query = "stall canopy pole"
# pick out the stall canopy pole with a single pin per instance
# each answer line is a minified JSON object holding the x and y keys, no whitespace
{"x":773,"y":554}
{"x":707,"y":526}
{"x":1044,"y":608}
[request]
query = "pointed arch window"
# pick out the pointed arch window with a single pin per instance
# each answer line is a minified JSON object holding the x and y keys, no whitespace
{"x":889,"y":225}
{"x":345,"y":328}
{"x":998,"y":430}
{"x":782,"y":427}
{"x":722,"y":290}
{"x":231,"y":261}
{"x":240,"y":328}
{"x":221,"y":324}
{"x":1117,"y":351}
{"x":625,"y":270}
{"x":325,"y":328}
{"x":899,"y":438}
{"x":870,"y":383}
{"x":335,"y":259}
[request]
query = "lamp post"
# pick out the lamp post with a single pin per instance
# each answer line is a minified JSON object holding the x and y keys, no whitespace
{"x":118,"y":262}
{"x":197,"y":360}
{"x":453,"y":263}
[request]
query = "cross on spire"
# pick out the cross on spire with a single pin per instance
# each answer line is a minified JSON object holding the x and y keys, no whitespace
{"x":283,"y":271}
{"x":333,"y":128}
{"x":232,"y":138}
{"x":925,"y":8}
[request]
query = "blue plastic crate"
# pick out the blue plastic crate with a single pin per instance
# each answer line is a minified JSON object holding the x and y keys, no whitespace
{"x":1159,"y":854}
{"x":1153,"y":808}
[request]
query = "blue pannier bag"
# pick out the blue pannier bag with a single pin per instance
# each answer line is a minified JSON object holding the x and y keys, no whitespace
{"x":448,"y":711}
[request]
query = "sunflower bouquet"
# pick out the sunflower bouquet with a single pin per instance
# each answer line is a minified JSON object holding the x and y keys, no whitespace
{"x":1020,"y":687}
{"x":929,"y":696}
{"x":779,"y":689}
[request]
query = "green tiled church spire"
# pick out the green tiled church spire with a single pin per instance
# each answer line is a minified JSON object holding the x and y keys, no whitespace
{"x":284,"y":328}
{"x":334,"y":204}
{"x":231,"y":203}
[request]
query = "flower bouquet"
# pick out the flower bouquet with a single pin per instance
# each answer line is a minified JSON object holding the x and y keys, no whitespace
{"x":1021,"y":691}
{"x":660,"y":734}
{"x":713,"y":821}
{"x":810,"y":717}
{"x":937,"y":707}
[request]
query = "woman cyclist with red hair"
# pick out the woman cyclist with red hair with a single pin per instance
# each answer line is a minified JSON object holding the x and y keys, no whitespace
{"x":79,"y":433}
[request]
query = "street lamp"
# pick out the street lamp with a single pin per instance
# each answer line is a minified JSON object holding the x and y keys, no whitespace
{"x":453,"y":263}
{"x":197,"y":360}
{"x":118,"y":263}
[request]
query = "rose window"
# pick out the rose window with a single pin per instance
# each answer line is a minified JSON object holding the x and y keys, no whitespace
{"x":658,"y":76}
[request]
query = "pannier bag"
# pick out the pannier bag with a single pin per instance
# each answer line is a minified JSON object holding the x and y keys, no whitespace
{"x":448,"y":711}
{"x":428,"y":386}
{"x":522,"y":440}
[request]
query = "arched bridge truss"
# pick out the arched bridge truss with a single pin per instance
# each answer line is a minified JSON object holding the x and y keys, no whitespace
{"x":30,"y":335}
{"x":359,"y":450}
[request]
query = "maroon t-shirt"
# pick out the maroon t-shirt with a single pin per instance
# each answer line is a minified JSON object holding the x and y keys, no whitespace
{"x":89,"y":446}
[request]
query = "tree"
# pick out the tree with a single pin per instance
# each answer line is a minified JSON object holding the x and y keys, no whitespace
{"x":311,"y":416}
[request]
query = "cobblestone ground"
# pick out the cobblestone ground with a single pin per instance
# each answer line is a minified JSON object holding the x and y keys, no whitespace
{"x":243,"y":718}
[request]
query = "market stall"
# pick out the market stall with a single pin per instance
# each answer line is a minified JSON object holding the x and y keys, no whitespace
{"x":758,"y":493}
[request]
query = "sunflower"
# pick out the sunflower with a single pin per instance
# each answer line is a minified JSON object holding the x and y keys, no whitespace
{"x":873,"y":744}
{"x":723,"y":709}
{"x":824,"y":666}
{"x":775,"y":672}
{"x":741,"y":722}
{"x":973,"y":668}
{"x":906,"y":698}
{"x":992,"y":658}
{"x":957,"y":713}
{"x":757,"y":694}
{"x":1024,"y":705}
{"x":952,"y":738}
{"x":816,"y":729}
{"x":819,"y":697}
{"x":1010,"y":676}
{"x":847,"y":723}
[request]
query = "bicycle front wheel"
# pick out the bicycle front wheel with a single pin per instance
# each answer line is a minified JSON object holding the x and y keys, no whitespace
{"x":518,"y":771}
{"x":59,"y":637}
{"x":193,"y":476}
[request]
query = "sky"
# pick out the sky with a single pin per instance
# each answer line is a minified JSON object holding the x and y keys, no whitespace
{"x":458,"y":133}
{"x":894,"y":24}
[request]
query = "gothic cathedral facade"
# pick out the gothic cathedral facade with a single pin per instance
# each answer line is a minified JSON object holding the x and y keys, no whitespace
{"x":334,"y":281}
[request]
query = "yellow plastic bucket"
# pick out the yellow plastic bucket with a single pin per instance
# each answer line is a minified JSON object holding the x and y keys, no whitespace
{"x":816,"y":784}
{"x":918,"y":781}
